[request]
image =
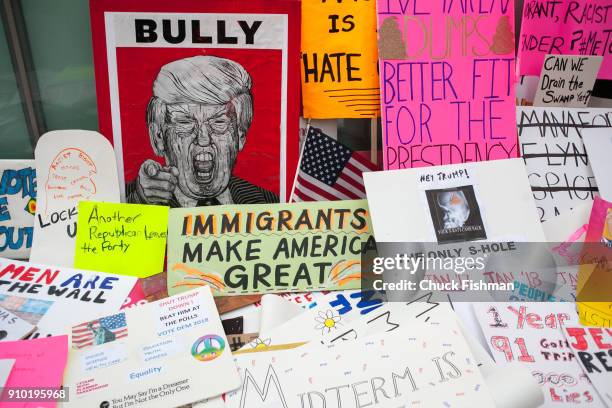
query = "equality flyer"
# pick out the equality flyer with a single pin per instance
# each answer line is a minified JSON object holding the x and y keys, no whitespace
{"x":296,"y":247}
{"x":199,"y":98}
{"x":51,"y":297}
{"x":163,"y":354}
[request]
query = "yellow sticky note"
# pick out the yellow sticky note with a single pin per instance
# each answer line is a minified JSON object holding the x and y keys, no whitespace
{"x":126,"y":239}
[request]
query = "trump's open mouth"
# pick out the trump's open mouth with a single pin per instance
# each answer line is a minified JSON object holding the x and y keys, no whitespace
{"x":204,"y":164}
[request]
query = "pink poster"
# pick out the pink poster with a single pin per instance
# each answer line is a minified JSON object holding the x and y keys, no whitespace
{"x":576,"y":27}
{"x":36,"y":376}
{"x":447,"y":81}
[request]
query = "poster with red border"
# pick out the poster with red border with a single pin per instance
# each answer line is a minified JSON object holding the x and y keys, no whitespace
{"x":200,"y":98}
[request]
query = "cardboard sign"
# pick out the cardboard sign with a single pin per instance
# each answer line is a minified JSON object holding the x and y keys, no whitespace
{"x":413,"y":205}
{"x":39,"y":364}
{"x":577,"y":27}
{"x":425,"y":364}
{"x":598,"y":142}
{"x":170,"y":352}
{"x":12,"y":327}
{"x":552,"y":147}
{"x":592,"y":346}
{"x":567,"y":80}
{"x":447,"y":93}
{"x":72,"y":166}
{"x":530,"y":333}
{"x":127,"y":239}
{"x":218,"y":87}
{"x":339,"y":59}
{"x":17,"y":207}
{"x":268,"y":248}
{"x":51,"y":297}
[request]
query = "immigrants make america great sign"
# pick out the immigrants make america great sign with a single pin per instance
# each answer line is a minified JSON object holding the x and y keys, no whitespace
{"x":295,"y":247}
{"x":447,"y":81}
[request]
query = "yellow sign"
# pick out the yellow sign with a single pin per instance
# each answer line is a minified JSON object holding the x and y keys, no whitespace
{"x":339,"y":59}
{"x":594,"y":288}
{"x":126,"y":239}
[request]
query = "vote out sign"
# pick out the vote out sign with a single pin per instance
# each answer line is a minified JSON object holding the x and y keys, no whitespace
{"x":447,"y":82}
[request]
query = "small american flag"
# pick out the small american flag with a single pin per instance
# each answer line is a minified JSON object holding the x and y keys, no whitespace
{"x":329,"y":170}
{"x":99,"y":331}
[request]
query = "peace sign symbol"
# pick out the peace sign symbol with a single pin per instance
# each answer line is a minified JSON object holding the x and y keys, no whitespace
{"x":208,"y":347}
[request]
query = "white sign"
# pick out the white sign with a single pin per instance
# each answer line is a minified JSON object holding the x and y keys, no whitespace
{"x":567,"y":80}
{"x":72,"y":166}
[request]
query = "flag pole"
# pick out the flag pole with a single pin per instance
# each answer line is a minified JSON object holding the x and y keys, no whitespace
{"x":374,"y":140}
{"x":297,"y":171}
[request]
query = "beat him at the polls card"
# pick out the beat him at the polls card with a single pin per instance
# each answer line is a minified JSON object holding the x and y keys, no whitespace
{"x":163,"y":354}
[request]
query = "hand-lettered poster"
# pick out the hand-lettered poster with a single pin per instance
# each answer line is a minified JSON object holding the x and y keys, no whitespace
{"x":531,"y":334}
{"x":425,"y":365}
{"x":239,"y":250}
{"x":339,"y":59}
{"x":51,"y":297}
{"x":576,"y":27}
{"x":17,"y":207}
{"x":567,"y":80}
{"x":592,"y":346}
{"x":551,"y":145}
{"x":127,"y":239}
{"x":72,"y":166}
{"x":447,"y":82}
{"x":199,"y":98}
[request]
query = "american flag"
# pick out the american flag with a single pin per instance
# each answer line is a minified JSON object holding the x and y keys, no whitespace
{"x":329,"y":170}
{"x":84,"y":336}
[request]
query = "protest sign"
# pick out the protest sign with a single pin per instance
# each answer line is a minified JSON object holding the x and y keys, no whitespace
{"x":592,"y":347}
{"x":126,"y":239}
{"x":192,"y":57}
{"x":593,"y":296}
{"x":567,"y":80}
{"x":577,"y":27}
{"x":38,"y":366}
{"x":166,"y":353}
{"x":530,"y":333}
{"x":339,"y":59}
{"x":50,"y":297}
{"x":17,"y":207}
{"x":13,"y":327}
{"x":424,"y":363}
{"x":598,"y":142}
{"x":268,"y":248}
{"x":552,"y":147}
{"x":412,"y":205}
{"x":447,"y":82}
{"x":72,"y":166}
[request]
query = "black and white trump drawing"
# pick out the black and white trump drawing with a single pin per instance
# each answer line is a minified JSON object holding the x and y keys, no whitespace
{"x":198,"y":119}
